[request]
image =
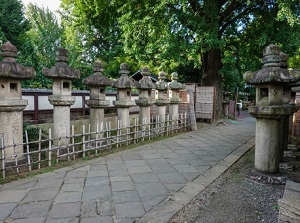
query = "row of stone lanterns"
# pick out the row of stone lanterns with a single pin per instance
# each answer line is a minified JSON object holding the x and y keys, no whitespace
{"x":12,"y":104}
{"x":273,"y":109}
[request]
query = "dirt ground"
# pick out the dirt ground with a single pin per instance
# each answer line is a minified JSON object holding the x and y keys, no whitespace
{"x":235,"y":198}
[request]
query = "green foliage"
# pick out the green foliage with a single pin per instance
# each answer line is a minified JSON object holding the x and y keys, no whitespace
{"x":40,"y":43}
{"x":12,"y":22}
{"x":210,"y":39}
{"x":294,"y":62}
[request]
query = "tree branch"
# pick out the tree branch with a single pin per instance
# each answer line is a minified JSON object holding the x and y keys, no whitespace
{"x":239,"y":16}
{"x":230,"y":8}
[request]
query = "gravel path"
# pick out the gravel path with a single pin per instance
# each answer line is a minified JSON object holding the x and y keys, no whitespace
{"x":234,"y":198}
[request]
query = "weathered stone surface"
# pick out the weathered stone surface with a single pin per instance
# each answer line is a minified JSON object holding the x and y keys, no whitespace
{"x":6,"y":210}
{"x":273,"y":83}
{"x":97,"y":78}
{"x":61,"y":69}
{"x":124,"y":81}
{"x":9,"y":68}
{"x":31,"y":210}
{"x":65,"y":210}
{"x":129,"y":210}
{"x":106,"y":208}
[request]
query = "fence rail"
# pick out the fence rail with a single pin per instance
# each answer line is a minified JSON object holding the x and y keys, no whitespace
{"x":47,"y":151}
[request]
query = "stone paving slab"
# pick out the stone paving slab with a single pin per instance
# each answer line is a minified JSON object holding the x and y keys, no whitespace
{"x":148,"y":183}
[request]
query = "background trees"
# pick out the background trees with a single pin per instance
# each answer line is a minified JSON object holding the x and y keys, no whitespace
{"x":12,"y":21}
{"x":211,"y":42}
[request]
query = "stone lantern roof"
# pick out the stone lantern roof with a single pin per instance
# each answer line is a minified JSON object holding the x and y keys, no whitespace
{"x":9,"y":68}
{"x":97,"y":78}
{"x":274,"y":69}
{"x":124,"y":81}
{"x":61,"y":70}
{"x":145,"y":82}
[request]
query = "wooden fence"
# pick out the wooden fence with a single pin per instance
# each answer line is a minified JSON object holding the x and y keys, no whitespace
{"x":47,"y":151}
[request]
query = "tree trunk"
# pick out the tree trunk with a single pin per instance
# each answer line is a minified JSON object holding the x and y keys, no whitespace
{"x":211,"y":64}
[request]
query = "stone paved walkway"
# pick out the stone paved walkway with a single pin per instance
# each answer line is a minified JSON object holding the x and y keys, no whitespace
{"x":149,"y":183}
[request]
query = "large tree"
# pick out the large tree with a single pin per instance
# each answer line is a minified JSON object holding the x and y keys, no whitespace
{"x":211,"y":40}
{"x":206,"y":32}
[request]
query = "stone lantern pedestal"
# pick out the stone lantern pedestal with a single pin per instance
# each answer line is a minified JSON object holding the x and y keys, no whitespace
{"x":161,"y":95}
{"x":174,"y":87}
{"x":11,"y":102}
{"x":269,"y":109}
{"x":145,"y":87}
{"x":267,"y":136}
{"x":97,"y":102}
{"x":62,"y":98}
{"x":123,"y":102}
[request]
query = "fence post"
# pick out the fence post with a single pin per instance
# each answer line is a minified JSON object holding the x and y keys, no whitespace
{"x":49,"y":149}
{"x":27,"y":150}
{"x":3,"y":157}
{"x":83,"y":141}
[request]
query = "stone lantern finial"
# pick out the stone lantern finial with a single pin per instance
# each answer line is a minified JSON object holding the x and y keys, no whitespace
{"x":124,"y":69}
{"x":162,"y":75}
{"x":62,"y":55}
{"x":9,"y":52}
{"x":174,"y":76}
{"x":174,"y":84}
{"x":98,"y":67}
{"x":271,"y":56}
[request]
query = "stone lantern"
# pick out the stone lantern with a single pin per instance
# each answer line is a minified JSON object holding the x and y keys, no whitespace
{"x":174,"y":87}
{"x":269,"y":109}
{"x":61,"y":98}
{"x":161,"y":95}
{"x":145,"y":87}
{"x":124,"y":102}
{"x":97,"y":83}
{"x":11,"y":102}
{"x":225,"y":103}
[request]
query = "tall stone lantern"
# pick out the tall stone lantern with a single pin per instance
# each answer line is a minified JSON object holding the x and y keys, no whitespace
{"x":124,"y":102}
{"x":161,"y":95}
{"x":269,"y":109}
{"x":145,"y":87}
{"x":174,"y":87}
{"x":11,"y":102}
{"x":61,"y":98}
{"x":97,"y":83}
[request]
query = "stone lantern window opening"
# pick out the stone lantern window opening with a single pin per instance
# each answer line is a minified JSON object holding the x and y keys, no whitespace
{"x":128,"y":94}
{"x":13,"y":87}
{"x":66,"y":86}
{"x":264,"y":92}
